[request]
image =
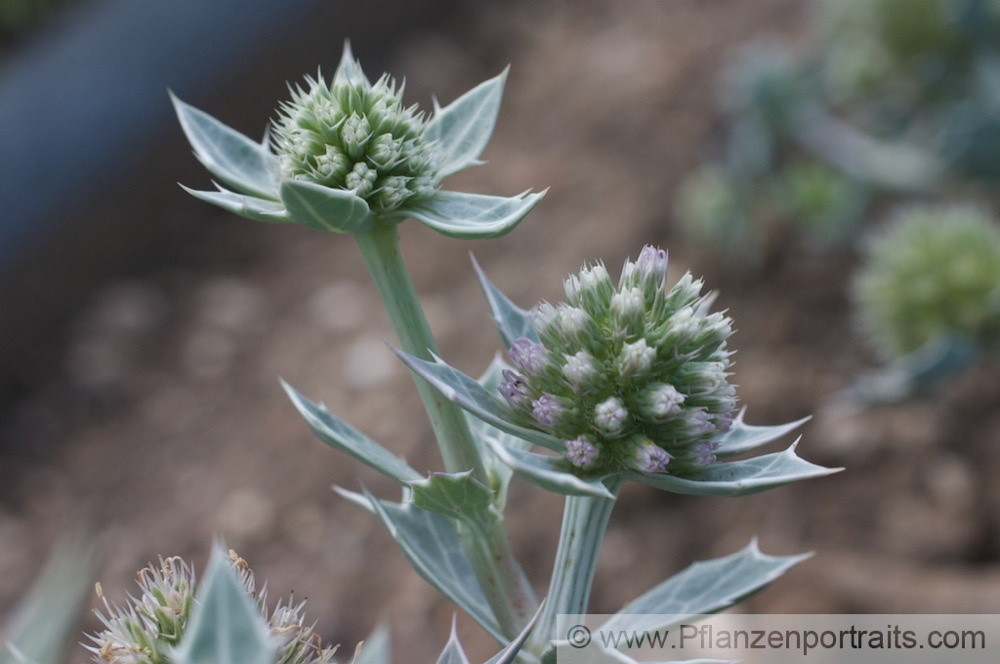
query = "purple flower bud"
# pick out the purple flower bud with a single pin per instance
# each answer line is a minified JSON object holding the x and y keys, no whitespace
{"x":514,"y":390}
{"x":703,"y":453}
{"x":698,"y":422}
{"x":652,"y":458}
{"x":652,"y":264}
{"x":581,"y":452}
{"x":528,"y":356}
{"x":547,"y":410}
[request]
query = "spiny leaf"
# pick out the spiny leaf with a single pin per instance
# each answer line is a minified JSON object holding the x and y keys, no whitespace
{"x":240,"y":162}
{"x":470,"y":395}
{"x":463,"y":128}
{"x":472,"y":216}
{"x":743,"y":437}
{"x":248,"y":207}
{"x":342,"y":436}
{"x":431,"y":544}
{"x":705,"y":587}
{"x":738,"y":478}
{"x":512,"y":322}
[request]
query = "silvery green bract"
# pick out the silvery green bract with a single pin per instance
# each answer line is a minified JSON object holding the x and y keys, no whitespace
{"x":347,"y":155}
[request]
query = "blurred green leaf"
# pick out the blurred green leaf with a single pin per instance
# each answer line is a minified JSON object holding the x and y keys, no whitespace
{"x":40,"y":626}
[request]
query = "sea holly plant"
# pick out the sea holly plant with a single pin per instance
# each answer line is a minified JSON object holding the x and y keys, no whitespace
{"x":625,"y":381}
{"x":621,"y":382}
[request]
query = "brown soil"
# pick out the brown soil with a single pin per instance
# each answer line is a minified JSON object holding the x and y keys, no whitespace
{"x":161,"y":424}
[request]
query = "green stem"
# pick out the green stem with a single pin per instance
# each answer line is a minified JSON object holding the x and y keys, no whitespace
{"x":585,"y":519}
{"x":380,"y":248}
{"x":488,"y":547}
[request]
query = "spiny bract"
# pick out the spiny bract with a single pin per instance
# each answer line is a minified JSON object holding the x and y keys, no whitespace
{"x":358,"y":137}
{"x":932,"y":271}
{"x":633,"y":377}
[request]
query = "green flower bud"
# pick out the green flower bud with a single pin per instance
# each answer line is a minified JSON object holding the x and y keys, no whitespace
{"x":359,"y":137}
{"x":634,"y":377}
{"x":932,"y":271}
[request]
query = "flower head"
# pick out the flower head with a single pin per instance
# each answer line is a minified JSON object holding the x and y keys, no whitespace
{"x":358,"y":137}
{"x":634,"y":376}
{"x":150,"y":625}
{"x":348,"y":155}
{"x":933,"y":271}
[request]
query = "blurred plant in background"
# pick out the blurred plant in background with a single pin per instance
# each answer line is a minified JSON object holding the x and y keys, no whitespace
{"x":16,"y":16}
{"x":927,"y":296}
{"x":897,"y":97}
{"x":40,"y":629}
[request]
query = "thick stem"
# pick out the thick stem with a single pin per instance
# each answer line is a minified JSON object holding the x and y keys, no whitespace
{"x":488,"y":548}
{"x":584,"y":521}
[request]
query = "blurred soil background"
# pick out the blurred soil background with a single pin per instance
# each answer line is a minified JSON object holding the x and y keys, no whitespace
{"x":140,"y":403}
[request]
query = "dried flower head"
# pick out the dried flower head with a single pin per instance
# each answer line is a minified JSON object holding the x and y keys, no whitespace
{"x":146,"y":629}
{"x":632,"y":377}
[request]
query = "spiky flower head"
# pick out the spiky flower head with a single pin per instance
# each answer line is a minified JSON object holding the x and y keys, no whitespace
{"x":632,"y":376}
{"x":932,"y":271}
{"x":149,"y":626}
{"x":346,"y":156}
{"x":352,"y":135}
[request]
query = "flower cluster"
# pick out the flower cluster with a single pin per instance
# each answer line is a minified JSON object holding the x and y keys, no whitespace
{"x":633,"y":377}
{"x":149,"y":626}
{"x":358,"y":137}
{"x":933,"y":271}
